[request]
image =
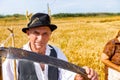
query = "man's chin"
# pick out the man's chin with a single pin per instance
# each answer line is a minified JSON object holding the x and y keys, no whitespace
{"x":38,"y":47}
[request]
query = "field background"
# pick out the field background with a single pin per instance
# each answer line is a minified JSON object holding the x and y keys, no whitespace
{"x":82,"y":39}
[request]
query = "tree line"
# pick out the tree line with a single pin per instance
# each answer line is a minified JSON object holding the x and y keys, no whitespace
{"x":61,"y":15}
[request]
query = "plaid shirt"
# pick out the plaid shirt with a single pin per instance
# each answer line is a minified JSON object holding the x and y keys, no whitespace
{"x":112,"y":49}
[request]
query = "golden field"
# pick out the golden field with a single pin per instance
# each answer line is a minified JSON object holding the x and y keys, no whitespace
{"x":82,"y":39}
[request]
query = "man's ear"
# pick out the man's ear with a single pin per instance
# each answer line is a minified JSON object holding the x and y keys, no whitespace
{"x":27,"y":32}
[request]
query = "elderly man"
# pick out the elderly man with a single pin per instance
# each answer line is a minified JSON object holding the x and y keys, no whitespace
{"x":39,"y":30}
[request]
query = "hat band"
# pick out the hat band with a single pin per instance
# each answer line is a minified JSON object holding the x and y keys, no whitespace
{"x":37,"y":21}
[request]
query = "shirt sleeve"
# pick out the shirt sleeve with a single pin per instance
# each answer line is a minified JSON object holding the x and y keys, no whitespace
{"x":67,"y":75}
{"x":7,"y":70}
{"x":109,"y":48}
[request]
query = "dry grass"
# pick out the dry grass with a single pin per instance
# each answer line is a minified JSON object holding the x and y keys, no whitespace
{"x":81,"y":39}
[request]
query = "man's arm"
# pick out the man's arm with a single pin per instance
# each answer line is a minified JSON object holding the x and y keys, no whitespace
{"x":7,"y":70}
{"x":106,"y":61}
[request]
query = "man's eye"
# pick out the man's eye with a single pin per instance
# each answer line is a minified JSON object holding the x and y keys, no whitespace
{"x":36,"y":33}
{"x":45,"y":34}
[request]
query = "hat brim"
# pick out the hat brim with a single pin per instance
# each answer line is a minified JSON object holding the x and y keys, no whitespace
{"x":51,"y":26}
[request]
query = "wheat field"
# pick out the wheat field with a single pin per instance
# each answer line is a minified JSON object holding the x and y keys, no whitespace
{"x":82,"y":39}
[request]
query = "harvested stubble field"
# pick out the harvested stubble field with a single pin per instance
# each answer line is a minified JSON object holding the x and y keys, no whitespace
{"x":82,"y":39}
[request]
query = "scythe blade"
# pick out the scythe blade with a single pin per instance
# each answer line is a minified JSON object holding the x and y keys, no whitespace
{"x":17,"y":53}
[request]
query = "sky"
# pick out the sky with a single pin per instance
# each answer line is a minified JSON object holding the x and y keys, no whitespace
{"x":58,"y":6}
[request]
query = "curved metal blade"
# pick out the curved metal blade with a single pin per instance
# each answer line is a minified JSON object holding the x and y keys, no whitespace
{"x":17,"y":53}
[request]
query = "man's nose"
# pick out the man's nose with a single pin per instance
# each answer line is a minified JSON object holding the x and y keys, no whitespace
{"x":40,"y":37}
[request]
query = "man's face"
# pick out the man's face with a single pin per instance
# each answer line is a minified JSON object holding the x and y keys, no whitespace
{"x":39,"y":37}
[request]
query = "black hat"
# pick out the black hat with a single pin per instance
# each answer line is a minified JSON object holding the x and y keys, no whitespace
{"x":40,"y":19}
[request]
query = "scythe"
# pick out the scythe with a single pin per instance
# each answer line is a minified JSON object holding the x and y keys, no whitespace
{"x":17,"y":53}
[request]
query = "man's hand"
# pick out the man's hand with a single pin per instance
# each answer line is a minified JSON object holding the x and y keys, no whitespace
{"x":91,"y":74}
